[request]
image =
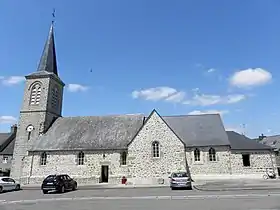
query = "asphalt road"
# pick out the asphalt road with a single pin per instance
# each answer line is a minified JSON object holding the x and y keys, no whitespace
{"x":136,"y":199}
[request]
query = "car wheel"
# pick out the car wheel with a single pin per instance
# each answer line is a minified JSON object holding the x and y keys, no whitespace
{"x":1,"y":189}
{"x":45,"y":191}
{"x":74,"y":187}
{"x":62,"y":189}
{"x":17,"y":187}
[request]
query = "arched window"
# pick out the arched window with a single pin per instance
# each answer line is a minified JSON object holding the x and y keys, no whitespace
{"x":155,"y":147}
{"x":196,"y":155}
{"x":81,"y":158}
{"x":43,"y":160}
{"x":55,"y":97}
{"x":123,"y":158}
{"x":35,"y":94}
{"x":212,"y":154}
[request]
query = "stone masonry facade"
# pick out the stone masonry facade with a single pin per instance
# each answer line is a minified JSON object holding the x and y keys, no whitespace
{"x":40,"y":116}
{"x":141,"y":167}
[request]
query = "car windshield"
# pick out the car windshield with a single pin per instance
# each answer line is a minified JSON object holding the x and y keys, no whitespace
{"x":181,"y":174}
{"x":50,"y":178}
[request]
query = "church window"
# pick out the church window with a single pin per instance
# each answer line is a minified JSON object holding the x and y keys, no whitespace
{"x":123,"y":158}
{"x":43,"y":160}
{"x":54,"y":97}
{"x":155,"y":147}
{"x":196,"y":155}
{"x":35,"y":94}
{"x":81,"y":158}
{"x":212,"y":154}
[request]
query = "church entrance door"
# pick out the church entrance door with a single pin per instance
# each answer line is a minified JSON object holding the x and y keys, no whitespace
{"x":104,"y":174}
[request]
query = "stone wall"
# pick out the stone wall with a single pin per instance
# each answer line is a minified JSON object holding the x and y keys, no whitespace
{"x":259,"y":161}
{"x":66,"y":162}
{"x":207,"y":167}
{"x":143,"y":167}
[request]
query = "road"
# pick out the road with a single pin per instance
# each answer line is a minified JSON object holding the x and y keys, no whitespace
{"x":141,"y":199}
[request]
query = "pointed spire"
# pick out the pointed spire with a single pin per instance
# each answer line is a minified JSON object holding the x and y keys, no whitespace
{"x":48,"y":59}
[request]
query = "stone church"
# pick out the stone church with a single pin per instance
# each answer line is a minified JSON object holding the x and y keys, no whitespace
{"x":103,"y":149}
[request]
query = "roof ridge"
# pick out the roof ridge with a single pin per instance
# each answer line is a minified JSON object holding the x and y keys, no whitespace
{"x":116,"y":115}
{"x":187,"y":115}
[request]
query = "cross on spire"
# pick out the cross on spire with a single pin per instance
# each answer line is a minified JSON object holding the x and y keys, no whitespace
{"x":53,"y":16}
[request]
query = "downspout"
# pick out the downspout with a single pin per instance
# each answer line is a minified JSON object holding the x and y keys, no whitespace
{"x":230,"y":166}
{"x":31,"y":168}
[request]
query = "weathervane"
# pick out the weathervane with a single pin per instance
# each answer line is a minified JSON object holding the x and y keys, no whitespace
{"x":53,"y":16}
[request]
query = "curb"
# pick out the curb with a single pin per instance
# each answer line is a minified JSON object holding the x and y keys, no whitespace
{"x":99,"y":187}
{"x":236,"y":189}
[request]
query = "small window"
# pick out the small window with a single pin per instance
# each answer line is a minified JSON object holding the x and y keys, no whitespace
{"x":155,"y":146}
{"x":246,"y":160}
{"x":212,"y":154}
{"x":196,"y":155}
{"x":43,"y":160}
{"x":123,"y":158}
{"x":81,"y":158}
{"x":35,"y":94}
{"x":5,"y":159}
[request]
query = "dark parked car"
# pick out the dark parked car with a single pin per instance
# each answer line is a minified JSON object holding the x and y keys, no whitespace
{"x":58,"y":183}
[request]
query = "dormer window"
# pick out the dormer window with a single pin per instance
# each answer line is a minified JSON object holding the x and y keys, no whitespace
{"x":35,"y":94}
{"x":54,"y":97}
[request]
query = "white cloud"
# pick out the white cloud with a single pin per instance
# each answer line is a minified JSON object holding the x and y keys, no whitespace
{"x":172,"y":95}
{"x":7,"y":120}
{"x":250,"y":77}
{"x":207,"y":100}
{"x":76,"y":88}
{"x":159,"y":93}
{"x":199,"y":112}
{"x":12,"y":80}
{"x":211,"y":70}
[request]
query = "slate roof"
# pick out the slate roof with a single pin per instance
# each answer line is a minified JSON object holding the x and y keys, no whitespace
{"x":48,"y":59}
{"x":199,"y":130}
{"x":89,"y":133}
{"x":273,"y":141}
{"x":9,"y":149}
{"x":7,"y":141}
{"x":241,"y":142}
{"x":115,"y":132}
{"x":4,"y":137}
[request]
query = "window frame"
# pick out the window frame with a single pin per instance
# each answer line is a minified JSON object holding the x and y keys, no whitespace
{"x":212,"y":155}
{"x":197,"y":155}
{"x":81,"y":158}
{"x":43,"y":159}
{"x":123,"y":158}
{"x":35,"y":94}
{"x":155,"y":149}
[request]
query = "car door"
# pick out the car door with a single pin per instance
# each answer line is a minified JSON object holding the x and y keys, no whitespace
{"x":12,"y":183}
{"x":70,"y":182}
{"x":5,"y":184}
{"x":65,"y":181}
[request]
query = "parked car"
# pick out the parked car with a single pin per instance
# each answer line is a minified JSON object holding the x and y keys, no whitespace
{"x":180,"y":180}
{"x":58,"y":183}
{"x":8,"y":184}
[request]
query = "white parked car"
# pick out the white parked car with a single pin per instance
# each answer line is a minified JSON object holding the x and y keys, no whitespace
{"x":8,"y":184}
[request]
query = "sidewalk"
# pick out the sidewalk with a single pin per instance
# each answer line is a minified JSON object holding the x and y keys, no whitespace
{"x":243,"y":184}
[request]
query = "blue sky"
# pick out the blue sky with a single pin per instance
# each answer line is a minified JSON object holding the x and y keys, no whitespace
{"x":179,"y":57}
